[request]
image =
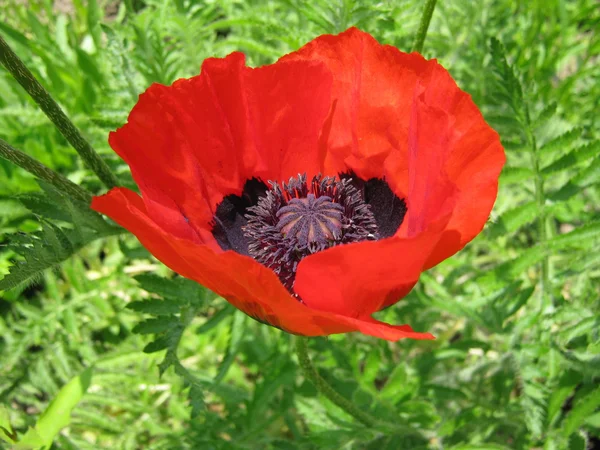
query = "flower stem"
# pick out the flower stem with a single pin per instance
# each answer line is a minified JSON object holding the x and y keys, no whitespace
{"x":25,"y":78}
{"x":424,"y":25}
{"x":41,"y":171}
{"x":325,"y":388}
{"x":542,"y":215}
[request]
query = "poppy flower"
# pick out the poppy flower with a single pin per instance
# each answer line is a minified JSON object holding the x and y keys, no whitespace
{"x":312,"y":192}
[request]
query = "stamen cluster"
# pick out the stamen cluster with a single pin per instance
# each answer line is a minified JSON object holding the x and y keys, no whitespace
{"x":297,"y":219}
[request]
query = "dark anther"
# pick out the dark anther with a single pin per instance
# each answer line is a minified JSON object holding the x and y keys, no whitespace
{"x":298,"y":219}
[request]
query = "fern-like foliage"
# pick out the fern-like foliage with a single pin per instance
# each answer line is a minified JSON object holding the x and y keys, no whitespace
{"x":173,"y":306}
{"x":52,"y":244}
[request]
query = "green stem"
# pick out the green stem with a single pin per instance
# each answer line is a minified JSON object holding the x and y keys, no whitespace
{"x":23,"y":75}
{"x":540,"y":201}
{"x":41,"y":171}
{"x":325,"y":388}
{"x":424,"y":25}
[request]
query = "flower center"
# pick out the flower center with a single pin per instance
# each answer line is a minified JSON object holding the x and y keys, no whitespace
{"x":311,"y":220}
{"x":296,"y":219}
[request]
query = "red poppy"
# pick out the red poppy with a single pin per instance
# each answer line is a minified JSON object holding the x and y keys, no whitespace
{"x":312,"y":192}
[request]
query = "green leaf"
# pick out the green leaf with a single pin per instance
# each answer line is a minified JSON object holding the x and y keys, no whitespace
{"x":216,"y":319}
{"x":593,"y":420}
{"x":577,"y":156}
{"x":58,"y":414}
{"x":179,"y":288}
{"x":545,"y":114}
{"x":236,"y":335}
{"x":155,"y":307}
{"x":155,"y":325}
{"x":566,"y":387}
{"x":196,"y":398}
{"x":94,"y":18}
{"x":585,"y":177}
{"x":534,"y":401}
{"x":7,"y":432}
{"x":52,"y":245}
{"x":30,"y":441}
{"x":507,"y":76}
{"x":561,"y":142}
{"x":515,"y":175}
{"x":581,"y":237}
{"x":580,"y":412}
{"x":584,"y":326}
{"x":161,"y":343}
{"x":41,"y":251}
{"x":513,"y":219}
{"x":578,"y":441}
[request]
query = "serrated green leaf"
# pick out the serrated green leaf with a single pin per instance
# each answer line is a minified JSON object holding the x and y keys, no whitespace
{"x":563,"y":141}
{"x":39,"y":204}
{"x":161,"y":343}
{"x":196,"y":398}
{"x":156,"y":325}
{"x":515,"y":175}
{"x":513,"y":219}
{"x":156,"y":307}
{"x":579,"y":237}
{"x":566,"y":387}
{"x":584,"y":326}
{"x":545,"y":114}
{"x":179,"y":288}
{"x":577,"y":156}
{"x":586,"y":177}
{"x":52,"y":245}
{"x":507,"y":75}
{"x":79,"y":213}
{"x":40,"y":251}
{"x":581,"y":411}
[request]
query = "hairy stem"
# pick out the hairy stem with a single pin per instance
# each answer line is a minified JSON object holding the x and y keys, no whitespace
{"x":41,"y":171}
{"x":424,"y":25}
{"x":23,"y":75}
{"x":325,"y":388}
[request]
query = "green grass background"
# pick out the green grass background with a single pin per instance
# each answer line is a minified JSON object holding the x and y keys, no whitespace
{"x":516,"y":362}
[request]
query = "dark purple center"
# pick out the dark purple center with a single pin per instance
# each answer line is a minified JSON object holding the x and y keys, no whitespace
{"x":282,"y":224}
{"x":297,"y":219}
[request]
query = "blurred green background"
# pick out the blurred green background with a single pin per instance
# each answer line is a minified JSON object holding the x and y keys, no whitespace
{"x":516,"y":362}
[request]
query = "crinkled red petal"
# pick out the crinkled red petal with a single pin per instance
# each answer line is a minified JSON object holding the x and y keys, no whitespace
{"x":398,"y":116}
{"x":246,"y":284}
{"x":192,"y":143}
{"x":359,"y":279}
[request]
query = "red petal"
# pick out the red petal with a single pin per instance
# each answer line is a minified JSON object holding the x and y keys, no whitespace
{"x":403,"y":118}
{"x":192,"y":143}
{"x":359,"y":279}
{"x":473,"y":163}
{"x":245,"y":283}
{"x":372,"y":93}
